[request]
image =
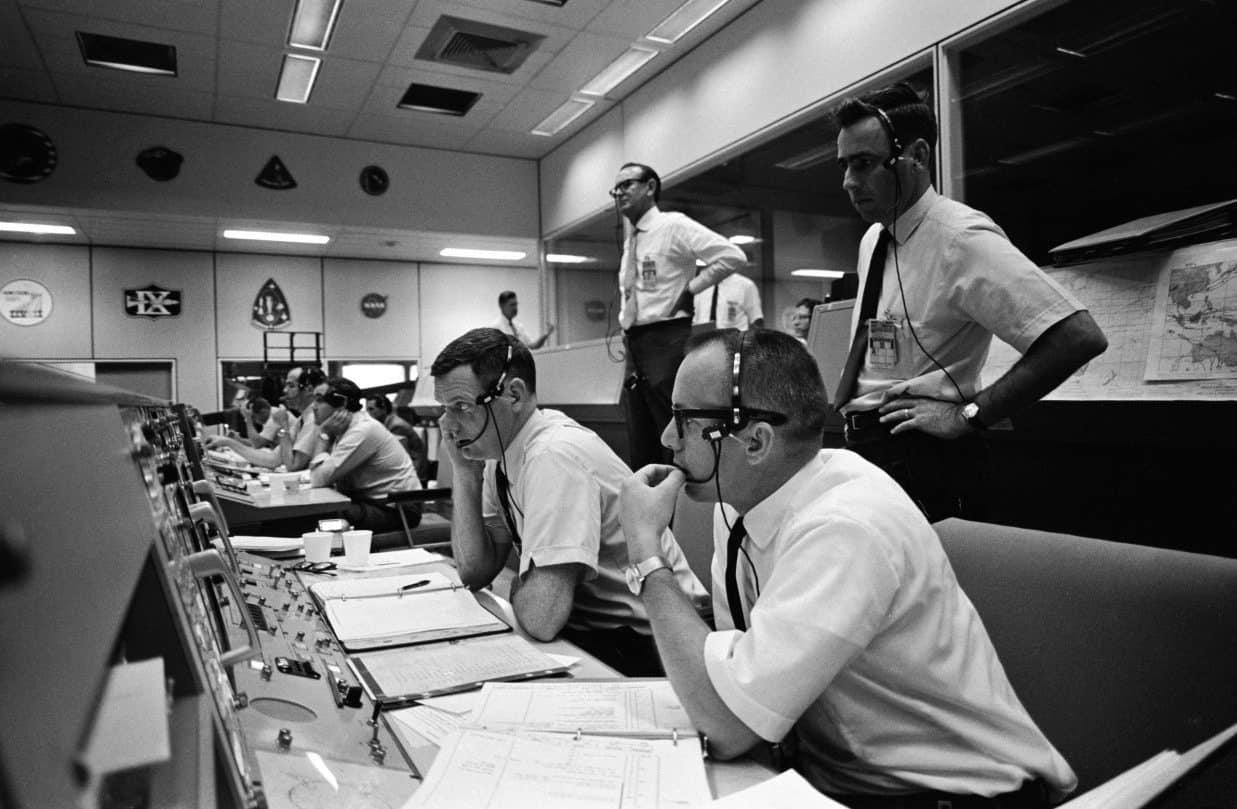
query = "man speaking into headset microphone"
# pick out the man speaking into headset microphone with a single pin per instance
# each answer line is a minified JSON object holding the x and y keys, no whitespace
{"x":534,"y":480}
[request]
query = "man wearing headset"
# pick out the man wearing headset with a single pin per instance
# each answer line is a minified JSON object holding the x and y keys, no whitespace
{"x":359,"y":456}
{"x":842,"y":638}
{"x":537,"y":480}
{"x":289,"y":435}
{"x":946,"y":279}
{"x":658,"y":283}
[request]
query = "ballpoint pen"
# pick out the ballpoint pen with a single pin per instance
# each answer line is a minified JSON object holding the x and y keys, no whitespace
{"x":414,"y":585}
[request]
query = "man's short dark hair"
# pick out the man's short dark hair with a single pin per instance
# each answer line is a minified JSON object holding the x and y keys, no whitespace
{"x":777,"y":374}
{"x":311,"y":376}
{"x":504,"y":296}
{"x":485,"y":352}
{"x":910,"y":115}
{"x":258,"y":403}
{"x":646,"y":174}
{"x":341,"y":392}
{"x":810,"y":303}
{"x":382,"y":403}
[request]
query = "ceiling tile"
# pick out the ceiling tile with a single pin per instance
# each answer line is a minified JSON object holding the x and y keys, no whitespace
{"x":27,"y":85}
{"x":575,"y":64}
{"x":271,"y":114}
{"x":369,"y":29}
{"x":632,"y":18}
{"x":139,"y":94}
{"x":201,"y":16}
{"x":16,"y":45}
{"x":264,"y":23}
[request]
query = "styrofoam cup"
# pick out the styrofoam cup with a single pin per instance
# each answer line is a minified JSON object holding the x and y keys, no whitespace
{"x":356,"y":546}
{"x":317,"y":545}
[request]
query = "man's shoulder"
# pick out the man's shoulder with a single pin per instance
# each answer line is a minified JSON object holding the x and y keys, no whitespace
{"x":557,"y":435}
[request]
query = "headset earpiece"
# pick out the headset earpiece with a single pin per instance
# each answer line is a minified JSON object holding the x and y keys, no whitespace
{"x":715,"y":433}
{"x":895,"y":143}
{"x":496,"y":389}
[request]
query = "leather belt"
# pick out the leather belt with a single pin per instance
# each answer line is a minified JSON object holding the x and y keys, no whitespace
{"x":864,"y":420}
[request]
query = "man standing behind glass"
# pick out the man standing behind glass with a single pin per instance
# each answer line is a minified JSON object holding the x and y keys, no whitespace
{"x":658,"y":282}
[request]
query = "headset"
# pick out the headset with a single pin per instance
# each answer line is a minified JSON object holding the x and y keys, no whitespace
{"x":486,"y":397}
{"x":738,"y":415}
{"x":895,"y":154}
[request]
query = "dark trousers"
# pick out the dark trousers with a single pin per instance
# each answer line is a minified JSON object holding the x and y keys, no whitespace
{"x":944,"y":478}
{"x":654,"y":352}
{"x":624,"y":649}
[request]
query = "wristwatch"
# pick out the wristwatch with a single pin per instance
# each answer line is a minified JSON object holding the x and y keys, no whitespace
{"x":970,"y":412}
{"x":637,"y":573}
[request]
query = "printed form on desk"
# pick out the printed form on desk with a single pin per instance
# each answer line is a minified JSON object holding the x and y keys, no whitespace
{"x":631,"y":707}
{"x":481,"y":769}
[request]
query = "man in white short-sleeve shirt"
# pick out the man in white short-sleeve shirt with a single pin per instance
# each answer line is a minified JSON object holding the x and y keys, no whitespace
{"x":842,"y":637}
{"x":536,"y":480}
{"x":732,"y":303}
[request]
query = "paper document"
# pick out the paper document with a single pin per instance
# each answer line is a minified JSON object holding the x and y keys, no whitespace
{"x":1138,"y":785}
{"x":632,"y":707}
{"x":481,"y":769}
{"x":411,"y":673}
{"x":415,"y":616}
{"x":401,"y":558}
{"x":384,"y":586}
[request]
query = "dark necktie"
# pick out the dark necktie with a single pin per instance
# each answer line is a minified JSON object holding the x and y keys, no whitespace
{"x":732,"y":574}
{"x":867,"y":311}
{"x":504,"y":499}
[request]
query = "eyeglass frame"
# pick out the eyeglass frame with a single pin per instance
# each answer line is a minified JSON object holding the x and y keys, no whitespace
{"x":730,"y":415}
{"x":626,"y":185}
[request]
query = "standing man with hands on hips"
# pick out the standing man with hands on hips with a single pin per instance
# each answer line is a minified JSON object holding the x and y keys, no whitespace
{"x":658,"y":284}
{"x":844,"y":646}
{"x":939,"y":279}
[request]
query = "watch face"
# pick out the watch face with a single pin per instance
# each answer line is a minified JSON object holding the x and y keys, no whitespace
{"x":634,"y":582}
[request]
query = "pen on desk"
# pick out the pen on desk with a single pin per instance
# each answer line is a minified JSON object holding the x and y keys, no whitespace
{"x":414,"y":585}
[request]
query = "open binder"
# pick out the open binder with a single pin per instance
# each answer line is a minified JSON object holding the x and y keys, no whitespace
{"x":376,"y":613}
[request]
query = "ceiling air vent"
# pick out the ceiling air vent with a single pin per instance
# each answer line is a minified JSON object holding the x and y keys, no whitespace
{"x":442,"y":100}
{"x":477,"y":45}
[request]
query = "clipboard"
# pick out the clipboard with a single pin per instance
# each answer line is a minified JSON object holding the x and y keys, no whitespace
{"x":368,"y":614}
{"x":395,"y":677}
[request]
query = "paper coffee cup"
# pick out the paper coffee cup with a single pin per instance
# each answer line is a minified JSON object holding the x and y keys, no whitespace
{"x":317,"y":545}
{"x":356,"y":546}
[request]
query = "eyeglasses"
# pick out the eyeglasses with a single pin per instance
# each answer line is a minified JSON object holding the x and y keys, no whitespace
{"x":625,"y":187}
{"x":682,"y":415}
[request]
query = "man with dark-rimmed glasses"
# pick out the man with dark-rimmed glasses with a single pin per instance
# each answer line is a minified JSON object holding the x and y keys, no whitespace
{"x":843,"y":644}
{"x":658,"y":283}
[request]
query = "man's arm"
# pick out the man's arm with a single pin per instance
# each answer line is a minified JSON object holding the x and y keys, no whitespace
{"x":721,"y":259}
{"x":540,"y":341}
{"x":1057,"y":353}
{"x":646,"y":505}
{"x":268,"y":459}
{"x":480,"y":549}
{"x":543,"y":597}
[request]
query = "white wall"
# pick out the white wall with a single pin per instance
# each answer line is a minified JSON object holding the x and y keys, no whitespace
{"x":431,"y":189}
{"x":780,"y":58}
{"x":428,"y":306}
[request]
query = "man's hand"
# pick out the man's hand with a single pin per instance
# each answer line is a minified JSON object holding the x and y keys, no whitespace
{"x":931,"y":416}
{"x":686,"y":302}
{"x":336,"y":423}
{"x":646,"y":505}
{"x":281,"y":416}
{"x":220,"y":442}
{"x":463,"y":467}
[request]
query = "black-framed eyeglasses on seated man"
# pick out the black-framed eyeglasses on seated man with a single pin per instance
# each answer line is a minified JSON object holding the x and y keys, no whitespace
{"x":682,"y":415}
{"x":625,"y":186}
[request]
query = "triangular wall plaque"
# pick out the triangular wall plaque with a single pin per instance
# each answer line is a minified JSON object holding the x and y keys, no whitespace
{"x":270,"y":307}
{"x":275,"y":175}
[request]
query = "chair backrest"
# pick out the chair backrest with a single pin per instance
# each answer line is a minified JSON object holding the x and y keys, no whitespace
{"x":1117,"y":651}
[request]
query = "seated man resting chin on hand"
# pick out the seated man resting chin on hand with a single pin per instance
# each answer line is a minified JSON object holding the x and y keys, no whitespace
{"x":844,"y":644}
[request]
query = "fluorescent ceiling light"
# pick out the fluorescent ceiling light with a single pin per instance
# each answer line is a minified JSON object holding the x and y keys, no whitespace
{"x":296,"y":79}
{"x":567,"y":258}
{"x":562,"y":116}
{"x":617,"y":71}
{"x":810,"y":273}
{"x":35,"y":227}
{"x":743,"y":238}
{"x":132,"y":55}
{"x":312,"y":23}
{"x":497,"y":255}
{"x":689,"y":15}
{"x":812,"y":157}
{"x":269,"y":236}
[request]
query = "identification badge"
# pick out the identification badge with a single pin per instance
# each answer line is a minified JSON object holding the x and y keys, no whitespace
{"x":648,"y":273}
{"x":882,"y":343}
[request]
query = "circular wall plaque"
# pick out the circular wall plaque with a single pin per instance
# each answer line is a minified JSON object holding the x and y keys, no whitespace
{"x":27,"y":155}
{"x":374,"y":181}
{"x":25,"y":303}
